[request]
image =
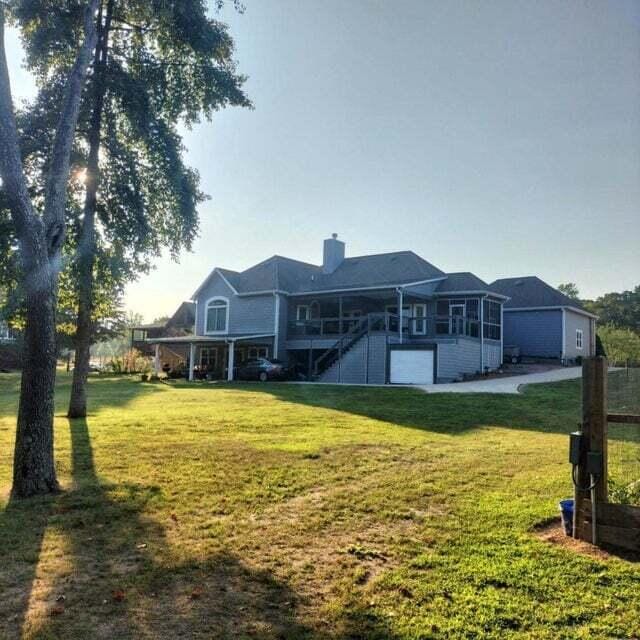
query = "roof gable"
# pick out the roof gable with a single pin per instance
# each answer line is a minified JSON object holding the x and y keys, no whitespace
{"x":531,"y":291}
{"x":462,"y":281}
{"x":293,"y":276}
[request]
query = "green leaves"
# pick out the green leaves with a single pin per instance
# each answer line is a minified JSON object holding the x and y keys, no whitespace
{"x":167,"y":63}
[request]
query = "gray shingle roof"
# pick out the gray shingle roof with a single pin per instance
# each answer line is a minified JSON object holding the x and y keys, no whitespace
{"x":462,"y":281}
{"x":530,"y":291}
{"x":372,"y":271}
{"x":294,"y":276}
{"x":384,"y":269}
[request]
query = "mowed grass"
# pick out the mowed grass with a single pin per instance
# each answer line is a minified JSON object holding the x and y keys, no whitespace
{"x":297,"y":511}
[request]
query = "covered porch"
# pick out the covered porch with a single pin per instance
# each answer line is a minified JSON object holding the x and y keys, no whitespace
{"x":406,"y":313}
{"x":213,"y":357}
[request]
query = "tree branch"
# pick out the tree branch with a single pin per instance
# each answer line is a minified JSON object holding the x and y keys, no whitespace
{"x":55,"y":195}
{"x":11,"y":169}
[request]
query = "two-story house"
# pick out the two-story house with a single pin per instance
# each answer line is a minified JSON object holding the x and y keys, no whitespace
{"x":375,"y":319}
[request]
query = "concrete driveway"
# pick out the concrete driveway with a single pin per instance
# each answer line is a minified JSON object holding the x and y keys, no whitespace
{"x":510,"y":384}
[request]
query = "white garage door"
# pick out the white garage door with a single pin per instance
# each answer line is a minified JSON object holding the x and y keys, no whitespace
{"x":411,"y":366}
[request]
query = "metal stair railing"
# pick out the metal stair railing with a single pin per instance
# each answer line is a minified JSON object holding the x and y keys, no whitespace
{"x":341,"y":347}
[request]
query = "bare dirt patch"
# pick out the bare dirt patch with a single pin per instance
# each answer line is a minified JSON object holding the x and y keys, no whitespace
{"x":553,"y":533}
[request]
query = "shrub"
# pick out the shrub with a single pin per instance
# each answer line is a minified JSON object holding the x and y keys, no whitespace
{"x":620,"y":345}
{"x":130,"y":362}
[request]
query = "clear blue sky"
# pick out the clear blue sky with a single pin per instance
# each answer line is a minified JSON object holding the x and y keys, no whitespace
{"x":498,"y":137}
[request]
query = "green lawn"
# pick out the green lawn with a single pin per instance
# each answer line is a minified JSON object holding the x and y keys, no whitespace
{"x":296,"y":511}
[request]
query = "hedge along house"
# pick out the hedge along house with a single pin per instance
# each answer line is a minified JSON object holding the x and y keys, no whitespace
{"x":376,"y":319}
{"x":543,"y":322}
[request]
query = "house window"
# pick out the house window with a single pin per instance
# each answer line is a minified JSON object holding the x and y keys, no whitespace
{"x":139,"y":335}
{"x":5,"y":333}
{"x":208,"y":358}
{"x":258,"y":352}
{"x":302,"y":313}
{"x":492,"y":327}
{"x":217,"y":318}
{"x":578,"y":338}
{"x":419,"y":319}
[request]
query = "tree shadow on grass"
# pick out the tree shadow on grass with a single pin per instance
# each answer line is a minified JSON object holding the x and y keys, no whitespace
{"x":547,"y":408}
{"x":23,"y":524}
{"x":104,"y":392}
{"x":116,"y":575}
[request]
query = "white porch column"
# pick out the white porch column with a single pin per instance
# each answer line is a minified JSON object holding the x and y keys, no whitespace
{"x":481,"y":303}
{"x":156,"y":360}
{"x":231,"y":360}
{"x":400,"y":305}
{"x":192,"y":359}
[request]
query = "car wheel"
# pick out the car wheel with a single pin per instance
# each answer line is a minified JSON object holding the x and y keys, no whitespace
{"x":263,"y":376}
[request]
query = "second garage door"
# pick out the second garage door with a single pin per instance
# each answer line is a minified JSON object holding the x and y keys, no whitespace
{"x":411,"y":366}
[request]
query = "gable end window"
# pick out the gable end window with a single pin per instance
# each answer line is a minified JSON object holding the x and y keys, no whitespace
{"x":578,"y":338}
{"x":217,"y":316}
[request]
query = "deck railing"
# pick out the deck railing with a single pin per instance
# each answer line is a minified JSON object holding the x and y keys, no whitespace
{"x":383,"y":322}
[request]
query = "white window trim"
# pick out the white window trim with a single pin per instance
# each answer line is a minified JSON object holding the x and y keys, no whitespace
{"x":579,"y":339}
{"x":6,"y":334}
{"x":307,"y":307}
{"x":423,"y":321}
{"x":206,"y":316}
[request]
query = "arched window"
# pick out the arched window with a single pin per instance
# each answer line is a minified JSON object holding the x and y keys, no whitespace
{"x":217,"y":315}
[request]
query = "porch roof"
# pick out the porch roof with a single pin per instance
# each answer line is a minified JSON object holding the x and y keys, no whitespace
{"x":227,"y":337}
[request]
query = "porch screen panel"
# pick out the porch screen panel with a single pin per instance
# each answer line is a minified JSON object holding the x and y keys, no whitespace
{"x":442,"y":311}
{"x":492,"y":328}
{"x":473,"y":316}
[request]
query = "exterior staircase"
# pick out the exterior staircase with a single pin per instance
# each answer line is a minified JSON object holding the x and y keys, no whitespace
{"x":351,"y":367}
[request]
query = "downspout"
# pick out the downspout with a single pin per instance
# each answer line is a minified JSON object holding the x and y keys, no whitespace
{"x":276,"y":328}
{"x":482,"y":334}
{"x":563,"y":355}
{"x":400,"y":305}
{"x":501,"y":333}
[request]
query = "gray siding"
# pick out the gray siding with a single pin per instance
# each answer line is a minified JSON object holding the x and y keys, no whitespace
{"x":457,"y":357}
{"x":377,"y":361}
{"x":251,"y":314}
{"x":364,"y":363}
{"x":492,"y":354}
{"x":537,"y":333}
{"x":573,"y":322}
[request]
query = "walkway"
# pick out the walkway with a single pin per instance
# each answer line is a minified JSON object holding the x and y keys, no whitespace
{"x":510,"y":384}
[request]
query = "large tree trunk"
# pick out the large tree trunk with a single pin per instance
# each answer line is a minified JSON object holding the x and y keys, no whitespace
{"x":41,"y":239}
{"x":33,"y":464}
{"x":87,"y":246}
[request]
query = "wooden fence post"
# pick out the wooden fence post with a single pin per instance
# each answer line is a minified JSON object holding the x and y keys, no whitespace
{"x":594,"y":429}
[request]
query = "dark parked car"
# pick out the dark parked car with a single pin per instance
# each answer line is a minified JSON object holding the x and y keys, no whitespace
{"x":262,"y":369}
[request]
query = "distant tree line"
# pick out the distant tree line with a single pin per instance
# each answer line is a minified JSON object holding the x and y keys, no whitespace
{"x":618,"y":321}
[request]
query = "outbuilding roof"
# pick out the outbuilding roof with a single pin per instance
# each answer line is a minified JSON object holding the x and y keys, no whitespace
{"x":530,"y":292}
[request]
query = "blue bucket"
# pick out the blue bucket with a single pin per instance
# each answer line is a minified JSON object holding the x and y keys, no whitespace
{"x":566,"y":509}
